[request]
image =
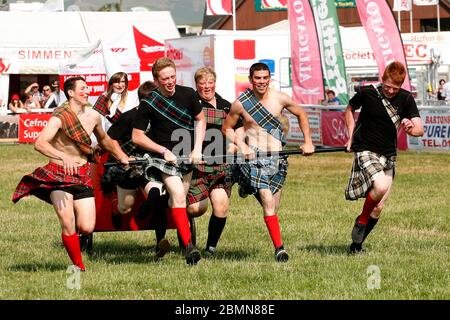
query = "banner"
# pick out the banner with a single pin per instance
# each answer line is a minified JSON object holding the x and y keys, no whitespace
{"x":402,"y":5}
{"x":436,"y":125}
{"x":425,"y":2}
{"x":293,"y":132}
{"x":333,"y":63}
{"x":307,"y":78}
{"x":383,"y":34}
{"x":271,"y":5}
{"x":31,"y":124}
{"x":219,"y":7}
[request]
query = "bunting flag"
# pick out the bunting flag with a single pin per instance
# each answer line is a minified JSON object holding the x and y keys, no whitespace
{"x":383,"y":34}
{"x":425,"y":2}
{"x":333,"y":63}
{"x":307,"y":79}
{"x":402,"y":5}
{"x":219,"y":7}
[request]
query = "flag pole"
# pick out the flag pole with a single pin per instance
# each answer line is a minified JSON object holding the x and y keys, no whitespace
{"x":234,"y":15}
{"x":399,"y":21}
{"x":438,"y":17}
{"x":411,"y":20}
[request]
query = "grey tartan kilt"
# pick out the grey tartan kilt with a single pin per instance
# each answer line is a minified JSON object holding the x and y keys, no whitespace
{"x":156,"y":166}
{"x":366,"y":166}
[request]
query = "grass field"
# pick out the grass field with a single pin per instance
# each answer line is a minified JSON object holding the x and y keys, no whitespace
{"x":410,"y":245}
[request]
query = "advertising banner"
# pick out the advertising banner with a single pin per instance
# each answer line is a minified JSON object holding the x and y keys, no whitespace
{"x":293,"y":133}
{"x":436,"y":135}
{"x":333,"y":63}
{"x":31,"y":124}
{"x":384,"y":36}
{"x":307,"y":78}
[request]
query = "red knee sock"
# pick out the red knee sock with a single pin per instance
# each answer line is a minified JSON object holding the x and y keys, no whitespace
{"x":72,"y":244}
{"x":274,"y":230}
{"x":181,"y":221}
{"x":368,"y":207}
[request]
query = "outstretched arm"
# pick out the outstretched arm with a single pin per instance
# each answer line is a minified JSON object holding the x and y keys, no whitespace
{"x":302,"y":116}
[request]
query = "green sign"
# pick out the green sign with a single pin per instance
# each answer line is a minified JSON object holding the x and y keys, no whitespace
{"x":260,"y":7}
{"x":345,"y":4}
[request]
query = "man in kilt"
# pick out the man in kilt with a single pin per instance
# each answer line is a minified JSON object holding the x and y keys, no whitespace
{"x":171,"y":110}
{"x":384,"y":108}
{"x":129,"y":181}
{"x":260,"y":109}
{"x":66,"y":181}
{"x":212,"y":179}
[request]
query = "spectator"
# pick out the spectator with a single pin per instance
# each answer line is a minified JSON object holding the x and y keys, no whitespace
{"x":59,"y":95}
{"x":16,"y":105}
{"x":31,"y":102}
{"x":332,"y":99}
{"x":33,"y":89}
{"x":48,"y":100}
{"x":446,"y":91}
{"x":116,"y":100}
{"x":440,"y":90}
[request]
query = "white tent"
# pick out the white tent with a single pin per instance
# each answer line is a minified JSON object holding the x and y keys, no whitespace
{"x":39,"y":43}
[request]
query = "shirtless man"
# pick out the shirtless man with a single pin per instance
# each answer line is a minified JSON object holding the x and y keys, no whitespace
{"x":259,"y":109}
{"x":66,"y":181}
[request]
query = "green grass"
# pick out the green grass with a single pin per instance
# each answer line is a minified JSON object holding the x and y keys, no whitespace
{"x":410,"y":245}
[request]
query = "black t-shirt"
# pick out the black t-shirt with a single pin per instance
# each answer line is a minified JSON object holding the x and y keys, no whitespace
{"x":374,"y":130}
{"x":122,"y":129}
{"x":162,"y":128}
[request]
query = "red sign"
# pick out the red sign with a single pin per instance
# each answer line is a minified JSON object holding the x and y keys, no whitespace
{"x":98,"y":84}
{"x":148,"y":50}
{"x":30,"y":125}
{"x":334,"y":130}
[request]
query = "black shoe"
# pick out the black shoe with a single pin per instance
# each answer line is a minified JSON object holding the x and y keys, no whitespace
{"x":86,"y":243}
{"x":242,"y":192}
{"x":162,"y":247}
{"x":116,"y":219}
{"x":210,"y":252}
{"x":358,"y":232}
{"x":192,"y":254}
{"x":281,"y":255}
{"x":355,"y":248}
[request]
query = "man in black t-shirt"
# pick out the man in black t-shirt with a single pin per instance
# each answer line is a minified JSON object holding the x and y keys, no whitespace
{"x":171,"y":111}
{"x":384,"y":108}
{"x":129,"y":181}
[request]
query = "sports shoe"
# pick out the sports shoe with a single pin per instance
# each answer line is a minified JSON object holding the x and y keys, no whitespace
{"x":281,"y":255}
{"x":192,"y":254}
{"x":358,"y":232}
{"x":210,"y":252}
{"x":355,"y":249}
{"x":85,"y":243}
{"x":162,"y":247}
{"x":242,"y":192}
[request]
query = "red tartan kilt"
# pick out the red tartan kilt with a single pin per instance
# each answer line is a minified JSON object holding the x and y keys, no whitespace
{"x":106,"y":205}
